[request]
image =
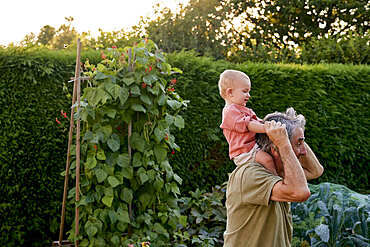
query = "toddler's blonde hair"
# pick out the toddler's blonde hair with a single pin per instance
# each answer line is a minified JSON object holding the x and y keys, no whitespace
{"x":228,"y":79}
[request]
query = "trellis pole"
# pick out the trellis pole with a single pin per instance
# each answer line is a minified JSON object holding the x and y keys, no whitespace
{"x":75,"y":97}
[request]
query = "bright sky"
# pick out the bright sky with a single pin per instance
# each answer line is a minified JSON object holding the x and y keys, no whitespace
{"x":21,"y":17}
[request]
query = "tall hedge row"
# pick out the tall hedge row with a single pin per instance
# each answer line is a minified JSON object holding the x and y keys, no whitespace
{"x":334,"y":99}
{"x":32,"y":144}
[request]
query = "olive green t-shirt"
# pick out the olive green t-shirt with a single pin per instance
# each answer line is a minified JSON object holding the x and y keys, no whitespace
{"x":252,"y":219}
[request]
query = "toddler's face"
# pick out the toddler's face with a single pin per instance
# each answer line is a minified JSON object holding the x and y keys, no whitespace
{"x":240,"y":92}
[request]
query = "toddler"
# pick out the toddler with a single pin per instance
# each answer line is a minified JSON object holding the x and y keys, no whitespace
{"x":239,"y":123}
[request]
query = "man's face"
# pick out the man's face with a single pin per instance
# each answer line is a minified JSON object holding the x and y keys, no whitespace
{"x":297,"y":142}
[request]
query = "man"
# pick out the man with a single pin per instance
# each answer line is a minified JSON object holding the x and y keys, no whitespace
{"x":258,"y":202}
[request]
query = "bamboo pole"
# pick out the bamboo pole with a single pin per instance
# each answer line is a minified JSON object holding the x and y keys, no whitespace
{"x":70,"y":135}
{"x":77,"y":81}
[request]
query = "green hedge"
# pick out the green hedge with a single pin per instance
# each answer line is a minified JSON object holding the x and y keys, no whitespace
{"x":334,"y":99}
{"x":32,"y":145}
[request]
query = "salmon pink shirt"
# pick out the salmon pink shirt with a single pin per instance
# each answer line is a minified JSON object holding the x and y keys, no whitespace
{"x":235,"y":120}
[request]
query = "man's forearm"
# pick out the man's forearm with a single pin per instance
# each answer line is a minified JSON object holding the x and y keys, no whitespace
{"x":310,"y":164}
{"x":294,"y":176}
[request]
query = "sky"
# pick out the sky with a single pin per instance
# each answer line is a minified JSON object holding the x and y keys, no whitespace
{"x":21,"y":17}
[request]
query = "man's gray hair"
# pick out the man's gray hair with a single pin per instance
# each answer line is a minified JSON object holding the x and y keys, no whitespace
{"x":291,"y":121}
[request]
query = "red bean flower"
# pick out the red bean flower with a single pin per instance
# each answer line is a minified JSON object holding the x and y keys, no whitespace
{"x":173,"y":81}
{"x":103,"y":56}
{"x":150,"y":68}
{"x":56,"y":120}
{"x":95,"y":147}
{"x":143,"y":85}
{"x":114,"y":47}
{"x":64,"y":114}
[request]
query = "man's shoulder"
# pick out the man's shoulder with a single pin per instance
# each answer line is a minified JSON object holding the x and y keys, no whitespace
{"x":251,"y":169}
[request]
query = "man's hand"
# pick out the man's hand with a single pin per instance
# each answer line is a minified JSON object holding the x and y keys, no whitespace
{"x":277,"y":133}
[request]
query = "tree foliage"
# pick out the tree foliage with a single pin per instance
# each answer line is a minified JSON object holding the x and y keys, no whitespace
{"x":284,"y":22}
{"x":259,"y":31}
{"x":46,"y":35}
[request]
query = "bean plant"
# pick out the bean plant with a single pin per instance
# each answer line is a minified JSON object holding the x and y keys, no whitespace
{"x":129,"y":110}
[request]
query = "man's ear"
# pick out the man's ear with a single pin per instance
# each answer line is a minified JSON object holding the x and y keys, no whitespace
{"x":229,"y":91}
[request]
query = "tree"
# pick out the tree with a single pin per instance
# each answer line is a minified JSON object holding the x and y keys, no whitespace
{"x":29,"y":40}
{"x":287,"y":22}
{"x":202,"y":25}
{"x":46,"y":35}
{"x":65,"y":35}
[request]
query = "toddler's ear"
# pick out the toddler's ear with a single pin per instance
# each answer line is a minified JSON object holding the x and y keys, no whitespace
{"x":229,"y":91}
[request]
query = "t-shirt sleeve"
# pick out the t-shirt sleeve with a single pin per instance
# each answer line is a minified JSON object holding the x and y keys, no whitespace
{"x":235,"y":120}
{"x":257,"y":184}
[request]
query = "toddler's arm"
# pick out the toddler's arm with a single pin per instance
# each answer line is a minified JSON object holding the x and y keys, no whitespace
{"x":256,"y":127}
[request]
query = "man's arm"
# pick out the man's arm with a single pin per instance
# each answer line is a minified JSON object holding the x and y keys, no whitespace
{"x":310,"y":164}
{"x":293,"y":187}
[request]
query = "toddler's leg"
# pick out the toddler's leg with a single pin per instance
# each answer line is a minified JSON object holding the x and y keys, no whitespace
{"x":266,"y":160}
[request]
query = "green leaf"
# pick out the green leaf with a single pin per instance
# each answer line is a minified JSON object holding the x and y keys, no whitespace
{"x":113,"y":216}
{"x":143,"y":177}
{"x":137,"y":107}
{"x":169,"y":119}
{"x":101,"y":175}
{"x":128,"y":172}
{"x":123,"y":160}
{"x":145,"y":98}
{"x":88,"y":136}
{"x":135,"y":91}
{"x":100,"y":154}
{"x":160,"y":229}
{"x":179,"y":122}
{"x":128,"y":81}
{"x":136,"y":161}
{"x":160,"y":153}
{"x":114,"y":142}
{"x":126,"y":195}
{"x":123,"y":95}
{"x":177,"y":178}
{"x":145,"y":199}
{"x":101,"y":76}
{"x":110,"y":112}
{"x":174,"y":104}
{"x":158,"y":184}
{"x":91,"y":231}
{"x":149,"y":79}
{"x":113,"y":89}
{"x":159,"y":134}
{"x":183,"y":220}
{"x":95,"y":95}
{"x":162,"y":99}
{"x":107,"y":200}
{"x":123,"y":217}
{"x":108,"y":191}
{"x":113,"y":181}
{"x":115,"y":240}
{"x":137,"y":142}
{"x":175,"y":189}
{"x":122,"y":226}
{"x":91,"y":162}
{"x":104,"y":132}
